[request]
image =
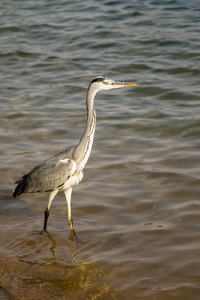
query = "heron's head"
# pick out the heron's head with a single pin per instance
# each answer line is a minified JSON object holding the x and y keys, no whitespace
{"x":104,"y":83}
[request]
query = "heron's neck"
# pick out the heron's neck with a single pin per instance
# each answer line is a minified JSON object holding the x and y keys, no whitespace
{"x":84,"y":147}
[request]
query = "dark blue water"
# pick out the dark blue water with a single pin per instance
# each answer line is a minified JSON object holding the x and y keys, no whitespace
{"x":136,"y":211}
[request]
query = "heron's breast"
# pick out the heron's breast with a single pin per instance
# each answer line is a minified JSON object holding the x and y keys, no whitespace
{"x":73,"y":180}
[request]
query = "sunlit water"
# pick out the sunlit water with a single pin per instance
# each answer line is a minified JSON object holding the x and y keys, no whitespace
{"x":137,"y":210}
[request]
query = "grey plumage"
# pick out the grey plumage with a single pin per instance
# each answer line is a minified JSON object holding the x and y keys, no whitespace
{"x":52,"y":174}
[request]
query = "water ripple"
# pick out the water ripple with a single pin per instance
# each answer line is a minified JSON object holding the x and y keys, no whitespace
{"x":136,"y":211}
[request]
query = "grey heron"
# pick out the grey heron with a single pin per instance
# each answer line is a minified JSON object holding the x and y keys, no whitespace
{"x":65,"y":169}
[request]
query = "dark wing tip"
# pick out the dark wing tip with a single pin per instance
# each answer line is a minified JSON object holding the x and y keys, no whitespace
{"x":21,"y":187}
{"x":15,"y":194}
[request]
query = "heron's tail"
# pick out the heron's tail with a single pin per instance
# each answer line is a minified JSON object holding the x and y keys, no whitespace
{"x":21,"y":187}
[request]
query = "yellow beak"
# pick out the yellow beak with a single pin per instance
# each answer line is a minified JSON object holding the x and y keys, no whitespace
{"x":121,"y":84}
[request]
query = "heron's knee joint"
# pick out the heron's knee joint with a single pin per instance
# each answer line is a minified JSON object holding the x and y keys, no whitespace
{"x":46,"y":213}
{"x":71,"y":224}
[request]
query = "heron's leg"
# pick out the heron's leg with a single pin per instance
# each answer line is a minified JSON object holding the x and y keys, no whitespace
{"x":68,"y":194}
{"x":46,"y":213}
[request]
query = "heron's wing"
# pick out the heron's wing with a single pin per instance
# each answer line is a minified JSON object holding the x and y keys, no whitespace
{"x":48,"y":176}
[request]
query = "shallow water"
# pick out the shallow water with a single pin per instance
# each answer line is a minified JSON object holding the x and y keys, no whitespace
{"x":136,"y":211}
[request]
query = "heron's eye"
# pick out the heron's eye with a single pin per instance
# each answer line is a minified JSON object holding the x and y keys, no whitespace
{"x":106,"y":82}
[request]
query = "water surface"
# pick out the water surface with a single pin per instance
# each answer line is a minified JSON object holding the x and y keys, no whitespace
{"x":136,"y":211}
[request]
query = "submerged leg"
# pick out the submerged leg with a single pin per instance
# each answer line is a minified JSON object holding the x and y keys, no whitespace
{"x":46,"y":213}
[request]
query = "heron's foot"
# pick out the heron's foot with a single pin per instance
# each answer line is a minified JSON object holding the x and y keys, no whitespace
{"x":42,"y":232}
{"x":73,"y":237}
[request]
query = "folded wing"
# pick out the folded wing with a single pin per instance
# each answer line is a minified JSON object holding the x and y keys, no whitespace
{"x":46,"y":177}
